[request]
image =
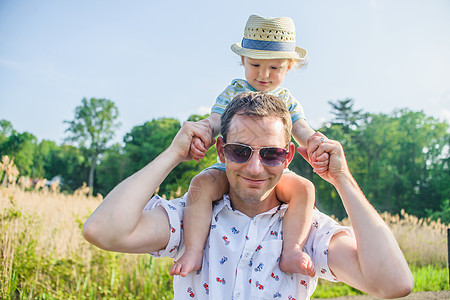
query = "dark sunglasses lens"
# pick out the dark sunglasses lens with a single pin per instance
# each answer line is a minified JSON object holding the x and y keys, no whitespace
{"x":272,"y":156}
{"x":237,"y":153}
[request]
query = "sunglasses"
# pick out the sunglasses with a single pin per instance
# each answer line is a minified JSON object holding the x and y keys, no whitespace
{"x":270,"y":156}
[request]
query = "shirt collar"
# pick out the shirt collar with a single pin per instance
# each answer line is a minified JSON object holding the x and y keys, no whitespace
{"x":244,"y":84}
{"x":225,"y":202}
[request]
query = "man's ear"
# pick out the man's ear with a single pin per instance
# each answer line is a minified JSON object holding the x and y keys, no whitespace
{"x":219,"y":149}
{"x":290,"y":156}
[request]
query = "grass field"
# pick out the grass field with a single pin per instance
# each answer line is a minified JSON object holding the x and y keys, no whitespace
{"x":44,"y":256}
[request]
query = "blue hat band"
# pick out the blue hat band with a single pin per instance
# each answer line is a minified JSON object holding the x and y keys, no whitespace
{"x":268,"y":45}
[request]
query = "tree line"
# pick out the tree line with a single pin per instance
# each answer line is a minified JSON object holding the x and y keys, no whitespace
{"x":400,"y":159}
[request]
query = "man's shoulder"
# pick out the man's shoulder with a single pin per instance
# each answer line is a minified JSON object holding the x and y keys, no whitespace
{"x":319,"y":218}
{"x":174,"y":204}
{"x":174,"y":211}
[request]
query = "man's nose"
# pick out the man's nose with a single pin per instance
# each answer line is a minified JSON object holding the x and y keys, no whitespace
{"x":254,"y":165}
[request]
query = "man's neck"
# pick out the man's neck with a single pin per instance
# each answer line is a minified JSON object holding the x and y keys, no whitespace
{"x":256,"y":207}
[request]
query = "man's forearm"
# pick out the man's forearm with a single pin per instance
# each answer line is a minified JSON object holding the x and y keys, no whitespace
{"x":118,"y":215}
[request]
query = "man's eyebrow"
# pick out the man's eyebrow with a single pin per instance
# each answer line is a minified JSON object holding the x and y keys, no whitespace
{"x":237,"y":142}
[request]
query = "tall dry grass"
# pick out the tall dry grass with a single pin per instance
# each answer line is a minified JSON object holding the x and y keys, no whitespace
{"x":54,"y":217}
{"x":44,"y":255}
{"x":422,"y":240}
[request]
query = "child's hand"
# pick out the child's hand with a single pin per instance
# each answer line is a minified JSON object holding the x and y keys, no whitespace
{"x":319,"y":163}
{"x":198,"y":148}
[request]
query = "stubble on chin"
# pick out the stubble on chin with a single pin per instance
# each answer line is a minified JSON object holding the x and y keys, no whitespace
{"x":248,"y":201}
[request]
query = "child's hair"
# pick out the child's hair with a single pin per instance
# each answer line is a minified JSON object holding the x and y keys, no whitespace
{"x":298,"y":64}
{"x":257,"y":104}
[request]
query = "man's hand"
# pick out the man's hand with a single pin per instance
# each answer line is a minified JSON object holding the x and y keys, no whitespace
{"x":337,"y":165}
{"x":192,"y":135}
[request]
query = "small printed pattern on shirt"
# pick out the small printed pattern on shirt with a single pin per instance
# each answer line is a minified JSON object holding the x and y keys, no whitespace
{"x":241,"y":256}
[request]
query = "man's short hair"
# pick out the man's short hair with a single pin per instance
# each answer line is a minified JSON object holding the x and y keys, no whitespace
{"x":257,"y":104}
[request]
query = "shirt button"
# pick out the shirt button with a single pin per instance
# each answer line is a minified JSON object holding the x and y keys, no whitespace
{"x":237,"y":294}
{"x":247,"y":254}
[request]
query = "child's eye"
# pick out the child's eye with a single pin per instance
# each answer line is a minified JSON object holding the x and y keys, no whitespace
{"x":274,"y":68}
{"x":255,"y":65}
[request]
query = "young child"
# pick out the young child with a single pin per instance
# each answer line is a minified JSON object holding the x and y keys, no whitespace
{"x":268,"y":51}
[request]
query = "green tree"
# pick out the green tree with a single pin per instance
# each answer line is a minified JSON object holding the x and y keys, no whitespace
{"x":112,"y":169}
{"x":70,"y":163}
{"x":6,"y":129}
{"x":196,"y":118}
{"x":42,"y":157}
{"x":344,"y":114}
{"x":22,"y":148}
{"x":145,"y":142}
{"x":92,"y":128}
{"x":399,"y":162}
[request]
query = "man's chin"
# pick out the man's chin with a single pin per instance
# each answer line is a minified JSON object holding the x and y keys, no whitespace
{"x":253,"y":196}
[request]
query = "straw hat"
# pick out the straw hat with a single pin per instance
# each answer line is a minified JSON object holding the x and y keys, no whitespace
{"x":269,"y":38}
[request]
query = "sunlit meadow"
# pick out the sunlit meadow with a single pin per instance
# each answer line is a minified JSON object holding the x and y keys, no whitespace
{"x":44,"y":255}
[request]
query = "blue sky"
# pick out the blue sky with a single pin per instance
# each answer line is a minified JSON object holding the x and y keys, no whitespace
{"x":172,"y":58}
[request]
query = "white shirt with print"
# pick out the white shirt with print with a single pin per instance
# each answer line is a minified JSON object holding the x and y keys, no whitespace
{"x":241,"y":255}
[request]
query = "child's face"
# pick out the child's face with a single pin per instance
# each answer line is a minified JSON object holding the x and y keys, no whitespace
{"x":265,"y":75}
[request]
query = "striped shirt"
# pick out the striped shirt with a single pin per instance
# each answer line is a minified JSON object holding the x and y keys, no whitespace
{"x":240,"y":86}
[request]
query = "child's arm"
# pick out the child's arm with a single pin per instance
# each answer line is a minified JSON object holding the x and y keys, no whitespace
{"x":301,"y":132}
{"x":198,"y":148}
{"x":214,"y":120}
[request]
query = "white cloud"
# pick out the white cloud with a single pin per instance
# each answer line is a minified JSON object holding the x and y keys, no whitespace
{"x":443,"y":99}
{"x":10,"y":63}
{"x":445,"y":114}
{"x":203,"y":110}
{"x":441,"y":105}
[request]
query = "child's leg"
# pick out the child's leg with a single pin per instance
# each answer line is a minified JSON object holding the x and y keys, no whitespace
{"x":299,"y":192}
{"x":205,"y":187}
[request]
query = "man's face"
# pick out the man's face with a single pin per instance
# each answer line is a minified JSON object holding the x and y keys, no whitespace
{"x":253,"y":182}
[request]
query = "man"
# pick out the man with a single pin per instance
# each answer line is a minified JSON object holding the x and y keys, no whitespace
{"x":241,"y":256}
